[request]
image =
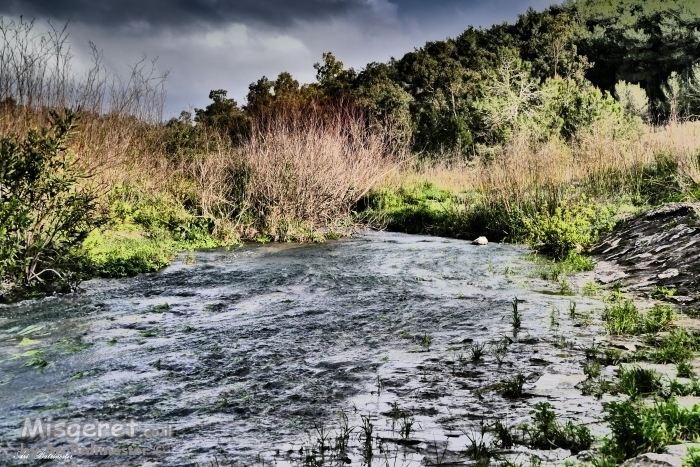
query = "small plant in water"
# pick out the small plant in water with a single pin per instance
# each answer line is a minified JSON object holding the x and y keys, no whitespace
{"x":515,"y":315}
{"x":636,"y":381}
{"x":621,"y":317}
{"x":477,"y":351}
{"x":565,"y":287}
{"x":659,"y":318}
{"x":684,"y":369}
{"x":663,"y":292}
{"x":477,"y":447}
{"x":591,"y":289}
{"x":513,"y":388}
{"x":425,"y":342}
{"x":554,"y":317}
{"x":572,"y":309}
{"x":591,"y":369}
{"x":677,"y":347}
{"x":503,"y":435}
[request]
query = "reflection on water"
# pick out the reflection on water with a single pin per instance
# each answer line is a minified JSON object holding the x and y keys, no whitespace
{"x":260,"y":353}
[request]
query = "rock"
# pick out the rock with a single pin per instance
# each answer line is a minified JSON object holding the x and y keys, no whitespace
{"x":557,"y":385}
{"x":656,"y":248}
{"x":688,"y":402}
{"x":673,"y":272}
{"x":651,"y":459}
{"x":680,"y":450}
{"x":480,"y":241}
{"x":672,"y":457}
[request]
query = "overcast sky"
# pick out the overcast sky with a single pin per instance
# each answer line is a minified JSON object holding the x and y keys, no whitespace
{"x":227,"y":44}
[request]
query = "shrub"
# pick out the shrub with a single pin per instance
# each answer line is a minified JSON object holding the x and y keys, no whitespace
{"x":574,"y":225}
{"x":45,"y":212}
{"x":633,"y":99}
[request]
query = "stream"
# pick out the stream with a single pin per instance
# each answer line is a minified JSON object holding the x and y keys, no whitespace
{"x":269,"y":354}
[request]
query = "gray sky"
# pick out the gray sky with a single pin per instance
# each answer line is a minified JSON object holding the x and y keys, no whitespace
{"x":227,"y":44}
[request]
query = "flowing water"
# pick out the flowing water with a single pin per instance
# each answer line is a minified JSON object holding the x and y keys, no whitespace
{"x":266,"y":353}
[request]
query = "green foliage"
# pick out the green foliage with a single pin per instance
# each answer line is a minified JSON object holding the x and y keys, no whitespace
{"x":143,"y":235}
{"x":547,"y":433}
{"x":574,"y":225}
{"x":621,"y":317}
{"x":693,"y":458}
{"x":682,"y":92}
{"x":677,"y":347}
{"x":638,"y":428}
{"x":422,"y":208}
{"x":636,"y":381}
{"x":633,"y":99}
{"x":45,"y":211}
{"x":658,"y":318}
{"x":637,"y":41}
{"x":663,"y":292}
{"x":544,"y":433}
{"x":684,"y":369}
{"x":513,"y":388}
{"x":223,"y":115}
{"x":569,"y":107}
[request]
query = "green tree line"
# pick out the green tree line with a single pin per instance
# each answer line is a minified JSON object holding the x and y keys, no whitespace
{"x":551,"y":73}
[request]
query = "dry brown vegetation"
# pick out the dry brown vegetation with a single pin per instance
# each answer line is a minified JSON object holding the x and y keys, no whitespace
{"x":299,"y":170}
{"x":596,"y":159}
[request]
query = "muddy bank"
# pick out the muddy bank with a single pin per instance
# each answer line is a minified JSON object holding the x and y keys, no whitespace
{"x":656,"y":248}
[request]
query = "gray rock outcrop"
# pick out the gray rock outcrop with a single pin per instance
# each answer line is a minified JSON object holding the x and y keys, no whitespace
{"x":659,"y":247}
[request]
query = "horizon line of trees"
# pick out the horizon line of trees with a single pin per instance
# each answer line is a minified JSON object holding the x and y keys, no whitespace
{"x":551,"y":73}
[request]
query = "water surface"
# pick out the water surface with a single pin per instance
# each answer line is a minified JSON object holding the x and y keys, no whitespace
{"x":252,"y":355}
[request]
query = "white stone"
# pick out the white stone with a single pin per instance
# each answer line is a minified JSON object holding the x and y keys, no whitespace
{"x":480,"y":241}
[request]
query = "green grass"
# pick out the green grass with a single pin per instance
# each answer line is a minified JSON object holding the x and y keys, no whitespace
{"x":636,"y":381}
{"x":513,"y":388}
{"x":621,"y":317}
{"x":677,"y":347}
{"x":637,"y":428}
{"x":546,"y":432}
{"x":419,"y":209}
{"x":663,"y":292}
{"x":690,"y":389}
{"x":659,"y":318}
{"x":693,"y":458}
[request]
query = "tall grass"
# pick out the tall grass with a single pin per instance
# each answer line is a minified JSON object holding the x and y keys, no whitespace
{"x":311,"y":168}
{"x":300,"y":170}
{"x":560,"y":194}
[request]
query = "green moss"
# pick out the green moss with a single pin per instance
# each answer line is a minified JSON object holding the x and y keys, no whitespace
{"x":144,"y":234}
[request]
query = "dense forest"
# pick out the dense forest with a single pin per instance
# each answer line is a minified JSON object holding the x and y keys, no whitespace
{"x":555,"y":70}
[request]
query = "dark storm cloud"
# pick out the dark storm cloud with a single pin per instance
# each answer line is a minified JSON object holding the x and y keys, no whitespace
{"x":182,"y":13}
{"x":227,"y":44}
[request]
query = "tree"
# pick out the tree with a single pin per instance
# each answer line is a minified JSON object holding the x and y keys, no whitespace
{"x":633,"y":99}
{"x":333,"y":80}
{"x":45,"y":210}
{"x":223,"y":115}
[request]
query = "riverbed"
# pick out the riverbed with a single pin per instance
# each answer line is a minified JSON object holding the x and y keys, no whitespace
{"x":272,"y":353}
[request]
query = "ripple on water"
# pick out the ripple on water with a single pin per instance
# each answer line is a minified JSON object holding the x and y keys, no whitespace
{"x":248,"y":352}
